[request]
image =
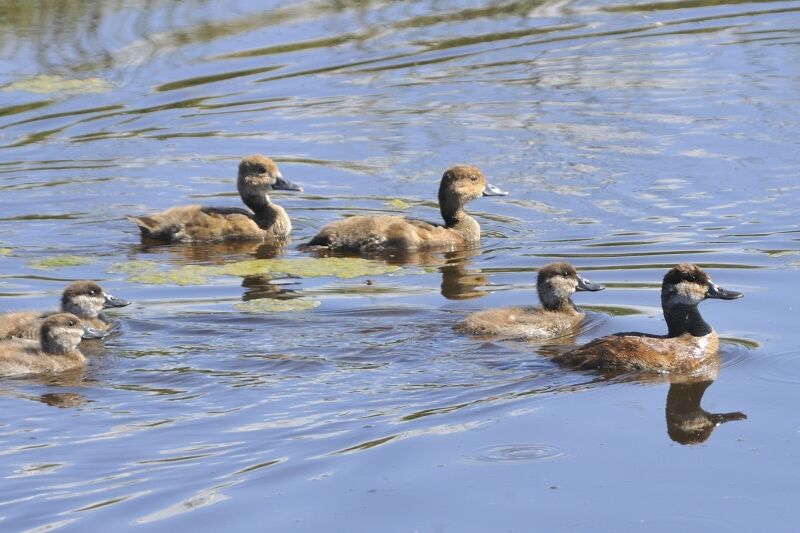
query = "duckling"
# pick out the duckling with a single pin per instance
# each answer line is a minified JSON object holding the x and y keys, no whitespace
{"x":366,"y":234}
{"x":689,"y":345}
{"x":558,"y":316}
{"x":194,"y":223}
{"x":57,"y":351}
{"x":84,"y":299}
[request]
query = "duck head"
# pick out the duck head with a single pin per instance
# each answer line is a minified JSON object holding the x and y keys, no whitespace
{"x":688,"y":284}
{"x":257,"y":176}
{"x":86,"y":299}
{"x":459,"y":185}
{"x":557,"y":282}
{"x":61,"y":333}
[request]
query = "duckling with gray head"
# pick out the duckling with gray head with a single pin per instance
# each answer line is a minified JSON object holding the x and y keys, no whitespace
{"x":266,"y":221}
{"x":374,"y":234}
{"x":558,"y":316}
{"x":56,"y":352}
{"x":84,"y":299}
{"x":689,"y":345}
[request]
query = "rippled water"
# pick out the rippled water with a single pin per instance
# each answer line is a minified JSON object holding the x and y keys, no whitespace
{"x":632,"y":136}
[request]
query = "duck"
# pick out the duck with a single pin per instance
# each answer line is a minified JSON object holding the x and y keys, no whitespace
{"x":264,"y":220}
{"x":387,"y":233}
{"x":84,"y":299}
{"x":557,"y":317}
{"x":57,"y":350}
{"x":689,"y":345}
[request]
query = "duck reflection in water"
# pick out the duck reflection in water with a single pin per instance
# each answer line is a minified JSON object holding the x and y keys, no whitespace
{"x":687,"y":421}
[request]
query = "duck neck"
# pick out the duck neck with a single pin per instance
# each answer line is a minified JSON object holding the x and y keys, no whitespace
{"x":52,"y":346}
{"x":684,"y":318}
{"x":552,"y":302}
{"x":259,"y":203}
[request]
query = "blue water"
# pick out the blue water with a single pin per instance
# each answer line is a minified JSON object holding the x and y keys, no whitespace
{"x":631,"y":137}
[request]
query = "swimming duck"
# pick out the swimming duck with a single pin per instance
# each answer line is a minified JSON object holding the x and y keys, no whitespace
{"x":85,"y":299}
{"x":365,"y":234}
{"x":689,"y":344}
{"x":558,"y":316}
{"x":57,"y":351}
{"x":194,"y":223}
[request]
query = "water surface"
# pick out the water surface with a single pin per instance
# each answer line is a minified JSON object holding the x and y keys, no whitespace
{"x":632,"y":136}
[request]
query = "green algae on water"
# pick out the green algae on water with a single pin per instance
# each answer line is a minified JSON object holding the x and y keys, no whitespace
{"x":272,"y":305}
{"x":398,"y":204}
{"x":59,"y":261}
{"x":150,"y":273}
{"x":47,"y":83}
{"x":308,"y":267}
{"x":5,"y":251}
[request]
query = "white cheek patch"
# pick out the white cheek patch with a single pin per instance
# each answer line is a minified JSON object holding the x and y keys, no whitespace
{"x":686,"y":294}
{"x":85,"y":306}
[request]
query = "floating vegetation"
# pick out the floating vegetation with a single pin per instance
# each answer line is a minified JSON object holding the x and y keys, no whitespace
{"x":307,"y":267}
{"x":48,"y":83}
{"x":152,"y":273}
{"x":5,"y":251}
{"x":272,"y":305}
{"x":59,"y":261}
{"x":398,"y":204}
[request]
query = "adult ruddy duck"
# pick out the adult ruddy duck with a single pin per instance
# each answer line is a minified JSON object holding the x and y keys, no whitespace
{"x":689,"y":344}
{"x":366,"y":234}
{"x":56,"y":352}
{"x":194,"y":223}
{"x":84,"y":299}
{"x":558,"y":316}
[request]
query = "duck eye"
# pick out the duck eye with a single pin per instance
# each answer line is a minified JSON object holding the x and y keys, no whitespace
{"x":70,"y":323}
{"x":261,"y":169}
{"x":92,"y":292}
{"x":474,"y":178}
{"x":691,"y":277}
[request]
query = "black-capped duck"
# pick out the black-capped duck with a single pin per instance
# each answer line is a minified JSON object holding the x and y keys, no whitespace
{"x":558,"y":316}
{"x":56,"y":352}
{"x":365,"y":234}
{"x":84,"y":299}
{"x":689,"y":345}
{"x":193,"y":223}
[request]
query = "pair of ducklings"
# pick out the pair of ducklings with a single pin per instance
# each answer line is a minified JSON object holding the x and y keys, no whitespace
{"x":35,"y":342}
{"x":268,"y":221}
{"x":690,"y":342}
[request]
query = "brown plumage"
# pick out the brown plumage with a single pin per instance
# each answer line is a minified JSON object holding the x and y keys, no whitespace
{"x":193,"y":223}
{"x":365,"y":234}
{"x":85,"y":299}
{"x":689,"y":345}
{"x":558,"y":316}
{"x":57,"y":351}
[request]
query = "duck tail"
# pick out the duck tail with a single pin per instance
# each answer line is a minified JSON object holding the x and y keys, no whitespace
{"x":155,"y":229}
{"x":317,"y":243}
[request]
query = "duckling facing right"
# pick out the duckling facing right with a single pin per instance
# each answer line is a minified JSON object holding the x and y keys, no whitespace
{"x":378,"y":234}
{"x":84,"y":299}
{"x":194,"y":223}
{"x":690,"y":344}
{"x":57,"y":351}
{"x":558,"y":316}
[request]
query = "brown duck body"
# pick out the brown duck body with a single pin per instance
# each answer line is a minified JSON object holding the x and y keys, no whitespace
{"x":194,"y":223}
{"x":379,"y":233}
{"x":638,"y":351}
{"x":57,"y":350}
{"x":528,"y":322}
{"x":558,"y":316}
{"x":690,"y":344}
{"x":22,"y":356}
{"x":366,"y":234}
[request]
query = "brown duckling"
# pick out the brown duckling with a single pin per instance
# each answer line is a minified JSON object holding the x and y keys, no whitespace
{"x":194,"y":223}
{"x":84,"y":299}
{"x":689,"y":345}
{"x":57,"y":351}
{"x":365,"y":234}
{"x":558,"y":316}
